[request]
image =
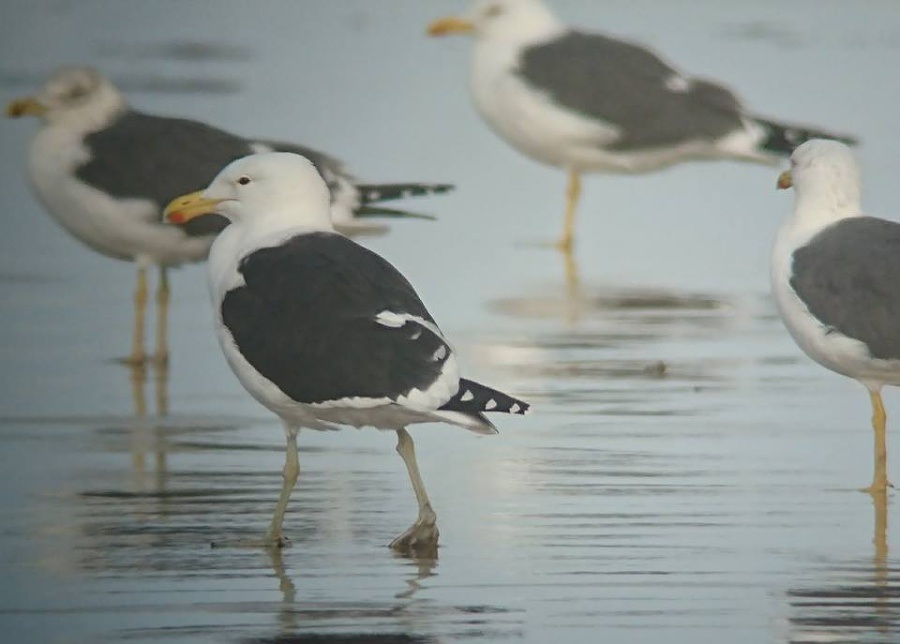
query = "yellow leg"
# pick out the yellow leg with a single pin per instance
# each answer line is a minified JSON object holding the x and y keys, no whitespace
{"x":162,"y":317}
{"x":422,"y":536}
{"x":407,"y":450}
{"x":138,"y":356}
{"x":275,"y":537}
{"x":879,"y":421}
{"x":573,"y":192}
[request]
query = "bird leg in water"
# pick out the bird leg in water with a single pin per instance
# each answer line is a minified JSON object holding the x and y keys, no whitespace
{"x":573,"y":193}
{"x":162,"y":318}
{"x":422,"y":536}
{"x":879,"y":422}
{"x":274,"y":536}
{"x":140,"y":309}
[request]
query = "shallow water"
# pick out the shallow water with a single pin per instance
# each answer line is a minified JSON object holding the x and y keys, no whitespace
{"x":687,"y":475}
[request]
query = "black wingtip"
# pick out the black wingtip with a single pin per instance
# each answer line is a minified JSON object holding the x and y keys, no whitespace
{"x":783,"y":138}
{"x":378,"y":211}
{"x":377,"y":192}
{"x":475,"y":398}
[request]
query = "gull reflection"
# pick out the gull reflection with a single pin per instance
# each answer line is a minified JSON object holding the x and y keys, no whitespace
{"x":571,"y":276}
{"x":573,"y":292}
{"x":348,"y":638}
{"x":424,"y":568}
{"x":287,"y":617}
{"x":633,"y":333}
{"x":405,"y":619}
{"x":146,"y":435}
{"x":607,"y":301}
{"x":160,"y":384}
{"x":862,"y":604}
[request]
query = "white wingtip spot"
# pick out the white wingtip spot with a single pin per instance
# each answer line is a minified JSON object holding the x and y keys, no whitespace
{"x":466,"y":397}
{"x":678,"y":84}
{"x":373,"y":195}
{"x":416,"y":334}
{"x":514,"y":409}
{"x":390,"y":319}
{"x":440,"y":354}
{"x":491,"y":404}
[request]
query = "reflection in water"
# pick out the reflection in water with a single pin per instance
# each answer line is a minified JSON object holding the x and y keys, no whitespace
{"x":97,"y":527}
{"x":286,"y":617}
{"x":879,"y":502}
{"x":348,"y":638}
{"x":624,"y":336}
{"x":627,"y":515}
{"x":644,"y":501}
{"x":610,"y":300}
{"x":424,"y":568}
{"x":573,"y":282}
{"x":303,"y":619}
{"x":290,"y":617}
{"x":160,"y":384}
{"x":863,"y":604}
{"x":194,"y":51}
{"x":147,"y":435}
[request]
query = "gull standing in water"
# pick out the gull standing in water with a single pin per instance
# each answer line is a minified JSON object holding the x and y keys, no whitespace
{"x":105,"y":172}
{"x":322,"y":331}
{"x":836,"y":278}
{"x":586,"y":102}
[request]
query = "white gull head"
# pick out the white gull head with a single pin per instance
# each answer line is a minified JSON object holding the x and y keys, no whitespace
{"x":827,"y":181}
{"x":513,"y":21}
{"x":79,"y":97}
{"x":272,"y":190}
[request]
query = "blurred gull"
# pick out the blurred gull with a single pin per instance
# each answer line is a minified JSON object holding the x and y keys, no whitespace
{"x":836,"y":278}
{"x":587,"y":102}
{"x":323,"y":331}
{"x":106,"y":171}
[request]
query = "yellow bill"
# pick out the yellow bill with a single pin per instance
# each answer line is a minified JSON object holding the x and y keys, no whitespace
{"x":785,"y":180}
{"x":27,"y":106}
{"x":186,"y":207}
{"x":446,"y":26}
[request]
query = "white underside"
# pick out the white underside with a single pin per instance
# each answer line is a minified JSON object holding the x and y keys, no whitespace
{"x":128,"y":229}
{"x":532,"y":123}
{"x":823,"y":344}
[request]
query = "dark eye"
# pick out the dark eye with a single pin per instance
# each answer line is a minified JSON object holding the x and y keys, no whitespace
{"x":493,"y":11}
{"x":244,"y":181}
{"x":76,"y":92}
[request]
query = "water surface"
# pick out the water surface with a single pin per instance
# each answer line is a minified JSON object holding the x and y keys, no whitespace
{"x":687,"y":475}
